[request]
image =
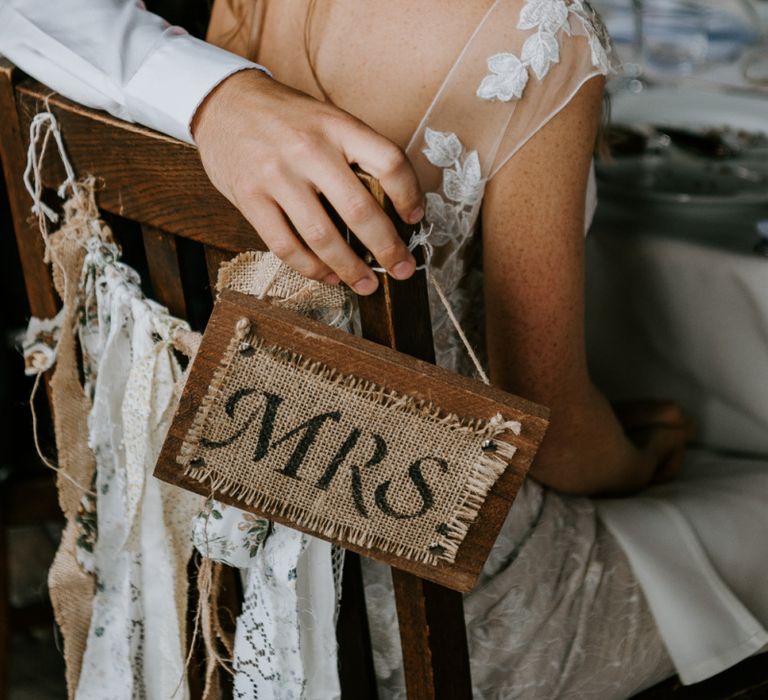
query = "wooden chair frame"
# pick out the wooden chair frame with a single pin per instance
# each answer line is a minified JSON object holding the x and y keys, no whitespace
{"x":160,"y":183}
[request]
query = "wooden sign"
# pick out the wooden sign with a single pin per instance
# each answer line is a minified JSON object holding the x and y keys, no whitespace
{"x":350,"y":441}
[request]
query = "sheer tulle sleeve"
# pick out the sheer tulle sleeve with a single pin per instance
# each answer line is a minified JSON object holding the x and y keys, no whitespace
{"x":523,"y":64}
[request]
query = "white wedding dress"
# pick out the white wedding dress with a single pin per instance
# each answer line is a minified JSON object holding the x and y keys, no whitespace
{"x":579,"y":598}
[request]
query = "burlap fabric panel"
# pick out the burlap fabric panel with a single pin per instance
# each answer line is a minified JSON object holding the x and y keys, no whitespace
{"x":341,"y":456}
{"x":263,"y":274}
{"x":70,"y":587}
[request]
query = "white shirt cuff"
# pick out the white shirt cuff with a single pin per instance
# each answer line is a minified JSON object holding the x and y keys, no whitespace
{"x":176,"y":77}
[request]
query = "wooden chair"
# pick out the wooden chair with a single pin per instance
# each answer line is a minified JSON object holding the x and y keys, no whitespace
{"x":27,"y":488}
{"x":186,"y":227}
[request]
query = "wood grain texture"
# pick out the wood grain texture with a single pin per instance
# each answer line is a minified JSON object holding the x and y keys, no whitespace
{"x":164,"y":269}
{"x":214,"y":257}
{"x":143,"y":175}
{"x":43,"y":301}
{"x":433,"y":637}
{"x":159,"y":181}
{"x":379,"y":364}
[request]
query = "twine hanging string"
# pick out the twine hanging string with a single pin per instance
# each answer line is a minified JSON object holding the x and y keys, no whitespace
{"x":33,"y":180}
{"x":420,"y":238}
{"x":33,"y":183}
{"x":43,"y":128}
{"x":36,"y":440}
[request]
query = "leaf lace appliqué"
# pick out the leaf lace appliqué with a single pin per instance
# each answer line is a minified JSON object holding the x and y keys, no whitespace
{"x":508,"y":74}
{"x":450,"y":213}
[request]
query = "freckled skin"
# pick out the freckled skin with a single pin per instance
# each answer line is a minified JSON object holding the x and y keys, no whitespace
{"x":383,"y":62}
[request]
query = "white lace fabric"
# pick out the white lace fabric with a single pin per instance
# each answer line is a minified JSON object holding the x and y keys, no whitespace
{"x":556,"y":613}
{"x":133,"y":531}
{"x":537,"y":619}
{"x":139,"y":550}
{"x":559,"y":611}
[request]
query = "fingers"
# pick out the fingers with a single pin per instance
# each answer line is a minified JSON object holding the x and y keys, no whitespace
{"x":271,"y":226}
{"x":317,"y":230}
{"x":367,"y":220}
{"x":274,"y":167}
{"x":389,"y":165}
{"x":668,"y":444}
{"x":650,"y":412}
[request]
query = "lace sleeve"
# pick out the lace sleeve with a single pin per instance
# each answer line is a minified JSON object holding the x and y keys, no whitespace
{"x":563,"y":46}
{"x":524,"y":63}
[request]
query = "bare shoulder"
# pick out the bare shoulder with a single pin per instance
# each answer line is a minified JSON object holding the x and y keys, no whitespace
{"x":385,"y":61}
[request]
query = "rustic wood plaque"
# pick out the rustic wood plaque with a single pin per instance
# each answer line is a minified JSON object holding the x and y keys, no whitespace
{"x":350,"y":441}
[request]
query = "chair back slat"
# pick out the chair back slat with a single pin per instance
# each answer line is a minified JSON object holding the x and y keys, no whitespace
{"x":214,"y":257}
{"x":143,"y":175}
{"x":37,"y":277}
{"x":164,"y":269}
{"x":431,"y":617}
{"x":160,"y":183}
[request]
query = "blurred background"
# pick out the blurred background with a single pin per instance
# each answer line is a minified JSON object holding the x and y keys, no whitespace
{"x":677,"y":301}
{"x":689,"y":114}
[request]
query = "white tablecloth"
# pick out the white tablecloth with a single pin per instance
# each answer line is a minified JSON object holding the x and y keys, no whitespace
{"x":675,"y":319}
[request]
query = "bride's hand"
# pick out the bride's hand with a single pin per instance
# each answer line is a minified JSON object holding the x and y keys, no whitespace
{"x":271,"y":150}
{"x":661,"y":430}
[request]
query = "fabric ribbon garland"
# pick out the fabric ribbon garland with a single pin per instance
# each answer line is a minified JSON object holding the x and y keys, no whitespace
{"x":125,"y":636}
{"x":285,"y":640}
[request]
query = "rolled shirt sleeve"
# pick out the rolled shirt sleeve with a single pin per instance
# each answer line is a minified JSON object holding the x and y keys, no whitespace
{"x":116,"y":56}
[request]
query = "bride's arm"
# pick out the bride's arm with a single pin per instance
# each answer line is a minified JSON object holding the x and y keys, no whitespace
{"x":533,"y":242}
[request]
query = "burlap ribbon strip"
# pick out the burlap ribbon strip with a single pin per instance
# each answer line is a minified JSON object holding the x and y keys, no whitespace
{"x":265,"y":275}
{"x":71,"y":588}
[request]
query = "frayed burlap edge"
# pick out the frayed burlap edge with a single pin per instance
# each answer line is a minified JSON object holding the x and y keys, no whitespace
{"x":264,"y":275}
{"x":484,"y":473}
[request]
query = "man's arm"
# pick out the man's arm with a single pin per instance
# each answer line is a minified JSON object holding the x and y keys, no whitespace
{"x":270,"y":150}
{"x":115,"y":56}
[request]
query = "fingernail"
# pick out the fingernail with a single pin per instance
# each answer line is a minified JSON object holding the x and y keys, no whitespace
{"x":416,"y":215}
{"x":333,"y":278}
{"x":367,"y":285}
{"x":403,"y":270}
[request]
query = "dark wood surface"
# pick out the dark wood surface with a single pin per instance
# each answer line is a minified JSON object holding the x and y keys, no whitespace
{"x":37,"y":277}
{"x":356,"y":671}
{"x":433,"y":636}
{"x":385,"y":367}
{"x":164,"y":269}
{"x":213,"y":259}
{"x":42,"y":302}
